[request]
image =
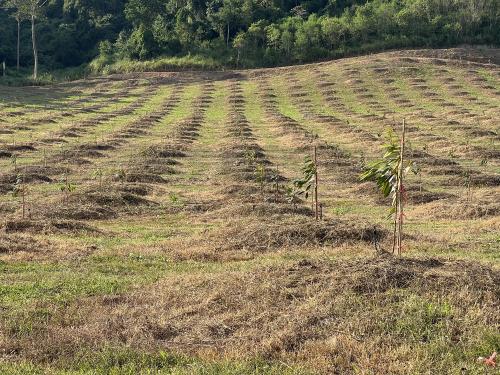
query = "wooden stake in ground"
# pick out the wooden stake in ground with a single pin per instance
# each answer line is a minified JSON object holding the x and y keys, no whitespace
{"x":316,"y":203}
{"x":394,"y":234}
{"x":24,"y":202}
{"x":468,"y":179}
{"x":400,"y":193}
{"x":277,"y":187}
{"x":14,"y":161}
{"x":20,"y":189}
{"x":388,"y":173}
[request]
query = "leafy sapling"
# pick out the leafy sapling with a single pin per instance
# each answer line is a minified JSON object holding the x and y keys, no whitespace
{"x":388,"y":173}
{"x":306,"y":185}
{"x":275,"y":179}
{"x":292,"y":196}
{"x":20,"y":190}
{"x":174,"y":198}
{"x":98,"y":174}
{"x":250,"y":156}
{"x":67,"y":188}
{"x":13,"y":160}
{"x":467,"y":184}
{"x":260,"y":175}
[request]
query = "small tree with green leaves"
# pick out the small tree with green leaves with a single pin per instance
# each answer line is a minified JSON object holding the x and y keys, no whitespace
{"x":260,"y":175}
{"x":388,"y":173}
{"x":275,"y":179}
{"x":292,"y":196}
{"x":175,"y":200}
{"x":467,"y":184}
{"x":250,"y":156}
{"x":13,"y":160}
{"x":67,"y":188}
{"x":20,"y":190}
{"x":98,"y":174}
{"x":304,"y":185}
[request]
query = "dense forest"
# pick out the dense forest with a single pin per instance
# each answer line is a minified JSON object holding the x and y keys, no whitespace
{"x":242,"y":33}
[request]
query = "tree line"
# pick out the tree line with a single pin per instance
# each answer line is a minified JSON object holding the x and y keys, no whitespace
{"x":26,"y":10}
{"x":242,"y":33}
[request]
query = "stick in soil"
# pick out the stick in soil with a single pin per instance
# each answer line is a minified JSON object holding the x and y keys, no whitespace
{"x":277,"y":183}
{"x":316,"y":180}
{"x":400,"y":207}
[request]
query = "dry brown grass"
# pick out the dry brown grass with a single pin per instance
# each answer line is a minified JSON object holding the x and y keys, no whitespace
{"x":46,"y":226}
{"x":447,"y":209}
{"x":334,"y":316}
{"x":294,"y":232}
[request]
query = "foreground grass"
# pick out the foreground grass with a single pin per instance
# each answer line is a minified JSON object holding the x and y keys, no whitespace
{"x":420,"y":330}
{"x":123,"y":361}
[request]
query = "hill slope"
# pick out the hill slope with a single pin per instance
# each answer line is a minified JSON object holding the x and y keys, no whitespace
{"x":156,"y":220}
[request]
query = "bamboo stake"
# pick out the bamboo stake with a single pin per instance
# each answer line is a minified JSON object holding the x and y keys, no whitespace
{"x":23,"y":192}
{"x":277,"y":184}
{"x":316,"y":180}
{"x":394,"y":234}
{"x":400,"y":191}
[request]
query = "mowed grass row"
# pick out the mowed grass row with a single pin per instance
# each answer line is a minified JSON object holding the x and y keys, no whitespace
{"x":104,"y":281}
{"x":216,"y":273}
{"x":76,"y":105}
{"x":457,"y":233}
{"x":111,"y":274}
{"x":48,"y":136}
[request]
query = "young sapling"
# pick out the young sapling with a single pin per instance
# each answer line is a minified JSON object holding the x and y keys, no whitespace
{"x":98,"y":175}
{"x":67,"y":188}
{"x":13,"y":160}
{"x":21,"y":190}
{"x":260,"y":175}
{"x":388,"y":173}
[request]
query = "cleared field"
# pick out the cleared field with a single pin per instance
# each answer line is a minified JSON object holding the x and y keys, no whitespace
{"x":151,"y":231}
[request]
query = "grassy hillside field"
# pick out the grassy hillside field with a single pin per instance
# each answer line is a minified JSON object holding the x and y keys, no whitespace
{"x":157,"y":237}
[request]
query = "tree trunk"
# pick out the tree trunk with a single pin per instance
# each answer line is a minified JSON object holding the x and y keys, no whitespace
{"x":227,"y":40}
{"x":18,"y":41}
{"x":35,"y":50}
